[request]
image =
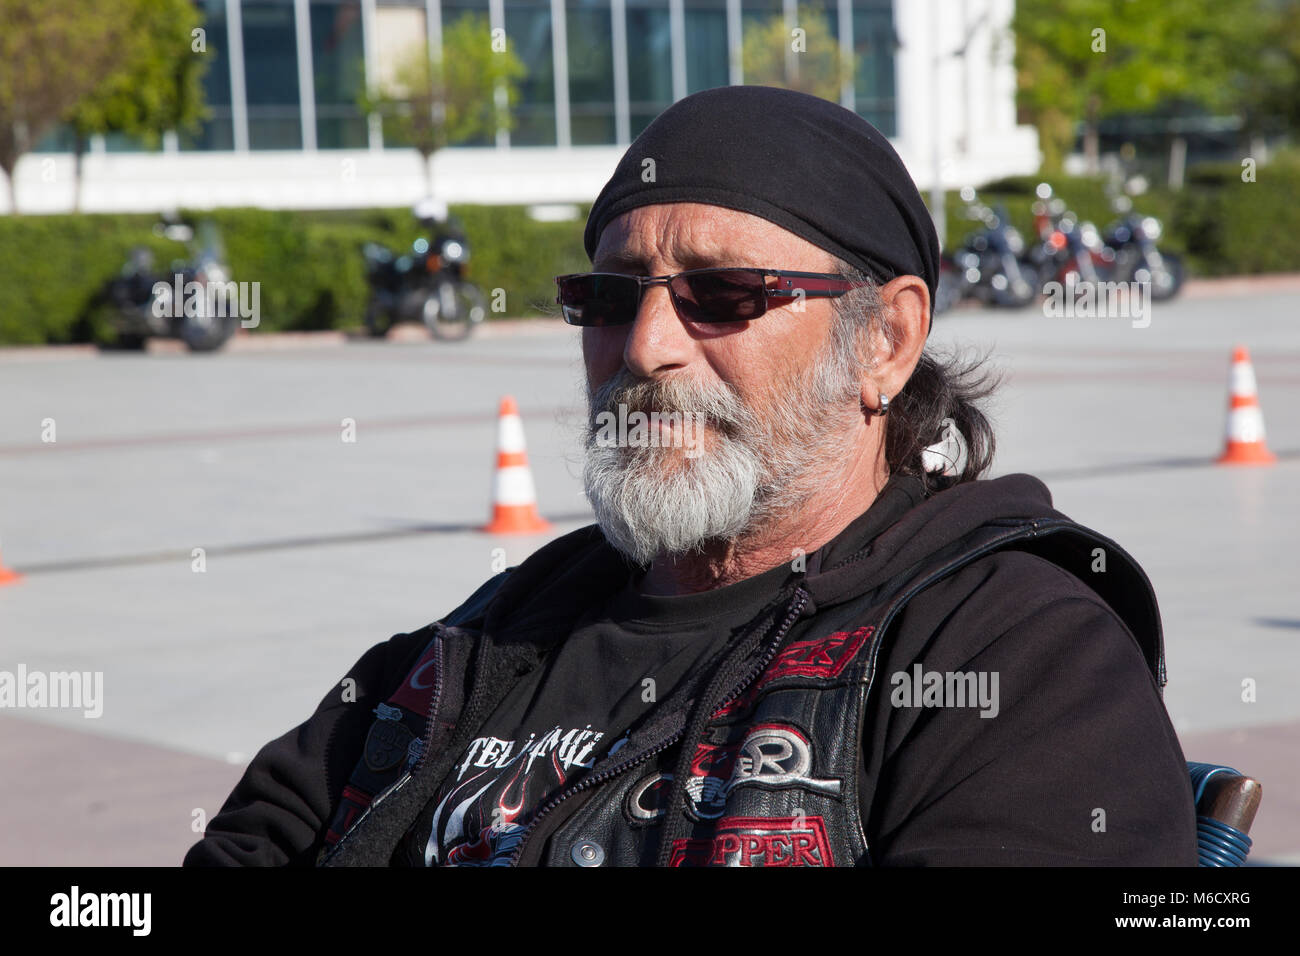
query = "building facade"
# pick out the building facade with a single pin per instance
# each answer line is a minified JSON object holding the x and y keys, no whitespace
{"x":285,"y":129}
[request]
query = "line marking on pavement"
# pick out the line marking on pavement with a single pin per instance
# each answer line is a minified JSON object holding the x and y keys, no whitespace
{"x":1133,"y":376}
{"x":418,"y":352}
{"x":1267,"y":355}
{"x":273,"y":431}
{"x":358,"y":537}
{"x":1131,"y":467}
{"x":281,"y":544}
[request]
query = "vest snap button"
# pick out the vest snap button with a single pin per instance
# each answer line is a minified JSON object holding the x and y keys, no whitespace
{"x":587,"y":854}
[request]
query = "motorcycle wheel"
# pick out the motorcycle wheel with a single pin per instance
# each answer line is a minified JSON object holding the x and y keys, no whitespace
{"x":205,"y":335}
{"x":1036,"y":274}
{"x":453,"y":309}
{"x":1018,"y":292}
{"x":377,"y":320}
{"x":1167,"y":278}
{"x":1080,"y":269}
{"x":948,"y":292}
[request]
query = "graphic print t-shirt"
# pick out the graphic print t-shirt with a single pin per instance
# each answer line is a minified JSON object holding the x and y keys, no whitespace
{"x":576,"y":707}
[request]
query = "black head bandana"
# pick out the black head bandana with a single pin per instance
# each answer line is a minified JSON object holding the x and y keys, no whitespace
{"x":804,"y":163}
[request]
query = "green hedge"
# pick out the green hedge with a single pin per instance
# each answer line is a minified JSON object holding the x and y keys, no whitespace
{"x":53,"y":268}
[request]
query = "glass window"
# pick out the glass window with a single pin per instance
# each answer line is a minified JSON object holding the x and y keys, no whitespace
{"x":760,"y":14}
{"x":828,"y":10}
{"x":649,"y":61}
{"x":755,"y":16}
{"x":122,"y":143}
{"x":453,"y":10}
{"x":60,"y":139}
{"x":874,"y":45}
{"x":401,"y":33}
{"x":706,"y":45}
{"x":756,"y":13}
{"x":591,"y":72}
{"x":338,"y":62}
{"x":271,"y":75}
{"x":528,"y":36}
{"x":217,"y":131}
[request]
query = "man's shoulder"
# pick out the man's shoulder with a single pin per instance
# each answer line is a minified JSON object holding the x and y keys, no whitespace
{"x":1016,"y":583}
{"x":1003,"y":585}
{"x":1071,"y":708}
{"x":1022,"y":603}
{"x":475,"y":606}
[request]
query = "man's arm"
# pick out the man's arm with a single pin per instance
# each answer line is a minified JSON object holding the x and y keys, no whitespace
{"x":1080,"y":765}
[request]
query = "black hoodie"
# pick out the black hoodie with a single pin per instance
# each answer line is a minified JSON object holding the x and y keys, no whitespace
{"x":1080,"y":766}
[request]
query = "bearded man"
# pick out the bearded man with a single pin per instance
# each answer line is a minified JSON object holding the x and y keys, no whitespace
{"x":804,"y":630}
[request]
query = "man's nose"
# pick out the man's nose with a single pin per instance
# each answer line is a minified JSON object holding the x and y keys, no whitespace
{"x":658,"y":341}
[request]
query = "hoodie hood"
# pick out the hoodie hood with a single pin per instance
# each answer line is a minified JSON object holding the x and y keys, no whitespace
{"x":855,"y":562}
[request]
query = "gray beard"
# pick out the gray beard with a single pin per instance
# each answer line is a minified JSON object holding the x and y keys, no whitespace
{"x":655,"y":500}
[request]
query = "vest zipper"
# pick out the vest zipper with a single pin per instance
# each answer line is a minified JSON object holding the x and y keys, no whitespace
{"x":412,"y":767}
{"x":769,"y":651}
{"x":672,"y":820}
{"x":426,"y":740}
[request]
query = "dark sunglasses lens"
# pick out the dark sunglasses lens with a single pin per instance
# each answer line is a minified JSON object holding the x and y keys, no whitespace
{"x":722,"y":296}
{"x":599,"y":299}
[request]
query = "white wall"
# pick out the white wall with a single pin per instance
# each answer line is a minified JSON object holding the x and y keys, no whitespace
{"x":135,"y":182}
{"x":975,"y":123}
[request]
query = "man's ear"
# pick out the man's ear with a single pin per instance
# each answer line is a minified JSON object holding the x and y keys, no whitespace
{"x":906,"y":323}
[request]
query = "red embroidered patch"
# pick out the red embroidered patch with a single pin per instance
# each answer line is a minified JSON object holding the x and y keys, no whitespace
{"x":758,"y":841}
{"x":417,"y":690}
{"x":820,"y":657}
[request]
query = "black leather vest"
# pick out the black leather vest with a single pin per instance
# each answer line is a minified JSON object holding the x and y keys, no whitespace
{"x":763,"y":770}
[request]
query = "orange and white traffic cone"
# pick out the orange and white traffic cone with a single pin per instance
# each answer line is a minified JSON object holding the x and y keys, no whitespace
{"x":8,"y":575}
{"x":1245,"y":418}
{"x":514,"y":499}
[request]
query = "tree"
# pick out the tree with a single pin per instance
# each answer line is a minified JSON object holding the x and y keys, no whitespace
{"x":157,"y":85}
{"x":1265,"y":87}
{"x":1083,"y":60}
{"x":52,"y":53}
{"x":440,"y":97}
{"x":800,"y":55}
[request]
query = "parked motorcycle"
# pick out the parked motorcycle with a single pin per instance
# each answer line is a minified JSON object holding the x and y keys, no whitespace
{"x":1132,"y":240}
{"x":1069,"y":250}
{"x":426,"y":284}
{"x":988,"y":265}
{"x":175,"y":304}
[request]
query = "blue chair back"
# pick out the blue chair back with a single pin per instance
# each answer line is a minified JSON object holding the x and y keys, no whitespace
{"x":1218,"y":842}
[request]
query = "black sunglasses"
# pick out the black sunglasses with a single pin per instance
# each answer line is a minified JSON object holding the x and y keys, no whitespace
{"x":701,"y":295}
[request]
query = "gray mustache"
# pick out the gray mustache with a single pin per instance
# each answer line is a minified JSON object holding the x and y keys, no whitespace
{"x":721,"y":409}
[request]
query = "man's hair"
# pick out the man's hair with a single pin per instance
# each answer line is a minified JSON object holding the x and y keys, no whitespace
{"x":942,"y":386}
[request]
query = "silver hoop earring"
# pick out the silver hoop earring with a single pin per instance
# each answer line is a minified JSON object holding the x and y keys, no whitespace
{"x":884,"y":405}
